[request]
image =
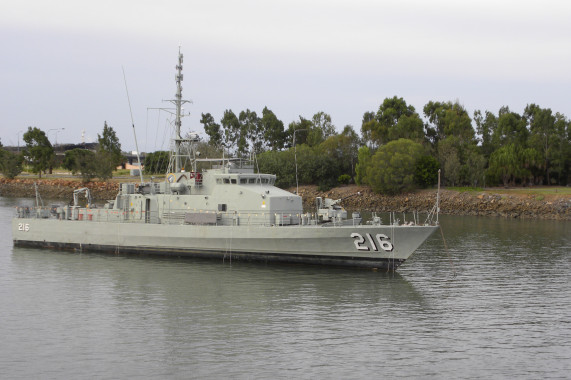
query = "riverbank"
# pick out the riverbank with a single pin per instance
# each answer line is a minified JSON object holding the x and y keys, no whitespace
{"x":511,"y":203}
{"x":542,"y":203}
{"x":60,"y":189}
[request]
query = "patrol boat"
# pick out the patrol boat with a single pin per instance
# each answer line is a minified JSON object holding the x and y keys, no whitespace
{"x":220,"y":209}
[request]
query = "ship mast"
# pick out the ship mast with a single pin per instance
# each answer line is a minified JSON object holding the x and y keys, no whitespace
{"x":178,"y":102}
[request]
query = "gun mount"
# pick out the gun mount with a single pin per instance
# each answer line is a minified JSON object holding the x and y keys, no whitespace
{"x":330,"y":210}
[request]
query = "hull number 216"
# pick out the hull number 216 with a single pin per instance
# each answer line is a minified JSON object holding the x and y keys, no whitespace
{"x":23,"y":227}
{"x":381,"y":242}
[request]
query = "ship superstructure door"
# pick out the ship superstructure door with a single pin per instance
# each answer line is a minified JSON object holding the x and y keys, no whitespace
{"x":147,"y":210}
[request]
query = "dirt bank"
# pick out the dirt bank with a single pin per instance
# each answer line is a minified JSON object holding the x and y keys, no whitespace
{"x":61,"y":189}
{"x":488,"y":202}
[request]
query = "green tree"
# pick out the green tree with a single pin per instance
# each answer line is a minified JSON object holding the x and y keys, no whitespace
{"x":157,"y":162}
{"x":304,"y":126}
{"x":273,"y":129}
{"x":109,"y":143}
{"x":280,"y":163}
{"x":233,"y":138}
{"x":393,"y":166}
{"x":251,"y":134}
{"x":212,"y":129}
{"x":105,"y":165}
{"x":392,"y":110}
{"x":511,"y":129}
{"x":384,"y":126}
{"x":561,"y":156}
{"x":449,"y":160}
{"x":485,"y":127}
{"x":321,"y":129}
{"x":81,"y":161}
{"x":542,"y":135}
{"x":108,"y":155}
{"x":448,"y":119}
{"x":426,"y":171}
{"x":408,"y":127}
{"x":10,"y":163}
{"x":364,"y":156}
{"x":374,"y":134}
{"x":342,"y":148}
{"x":512,"y":163}
{"x":38,"y":152}
{"x":475,"y":168}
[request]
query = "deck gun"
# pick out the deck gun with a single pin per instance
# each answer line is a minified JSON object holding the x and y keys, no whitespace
{"x":329,"y":210}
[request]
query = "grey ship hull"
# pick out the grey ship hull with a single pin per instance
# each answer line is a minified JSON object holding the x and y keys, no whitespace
{"x":223,"y":211}
{"x":358,"y":246}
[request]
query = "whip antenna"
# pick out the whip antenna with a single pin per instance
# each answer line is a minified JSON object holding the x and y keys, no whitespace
{"x":133,"y":123}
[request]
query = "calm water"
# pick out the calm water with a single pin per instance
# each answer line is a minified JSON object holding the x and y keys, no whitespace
{"x":506,"y":314}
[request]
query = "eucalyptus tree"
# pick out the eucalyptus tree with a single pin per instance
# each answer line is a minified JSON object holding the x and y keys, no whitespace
{"x":383,"y":126}
{"x":485,"y":127}
{"x":273,"y":130}
{"x":448,"y":119}
{"x":561,"y":158}
{"x":212,"y":129}
{"x":321,"y":129}
{"x":232,"y":132}
{"x":251,"y":134}
{"x":542,"y":135}
{"x":302,"y":124}
{"x":511,"y":129}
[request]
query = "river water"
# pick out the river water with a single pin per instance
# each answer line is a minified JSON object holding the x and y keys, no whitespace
{"x":506,"y":313}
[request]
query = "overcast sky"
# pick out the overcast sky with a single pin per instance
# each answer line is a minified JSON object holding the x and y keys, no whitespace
{"x":61,"y":61}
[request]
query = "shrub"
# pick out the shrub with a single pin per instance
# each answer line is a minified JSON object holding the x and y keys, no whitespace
{"x":393,"y":166}
{"x":344,"y":179}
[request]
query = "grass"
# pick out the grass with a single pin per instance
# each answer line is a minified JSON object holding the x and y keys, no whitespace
{"x":537,"y":191}
{"x":464,"y":189}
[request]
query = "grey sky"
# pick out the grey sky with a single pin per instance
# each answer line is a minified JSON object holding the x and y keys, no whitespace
{"x":61,"y":60}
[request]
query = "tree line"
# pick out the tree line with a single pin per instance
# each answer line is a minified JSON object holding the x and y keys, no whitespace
{"x":397,"y":150}
{"x":400,"y":151}
{"x":39,"y":156}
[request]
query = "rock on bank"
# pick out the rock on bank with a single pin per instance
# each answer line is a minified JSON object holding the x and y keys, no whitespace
{"x":56,"y":188}
{"x":483,"y":203}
